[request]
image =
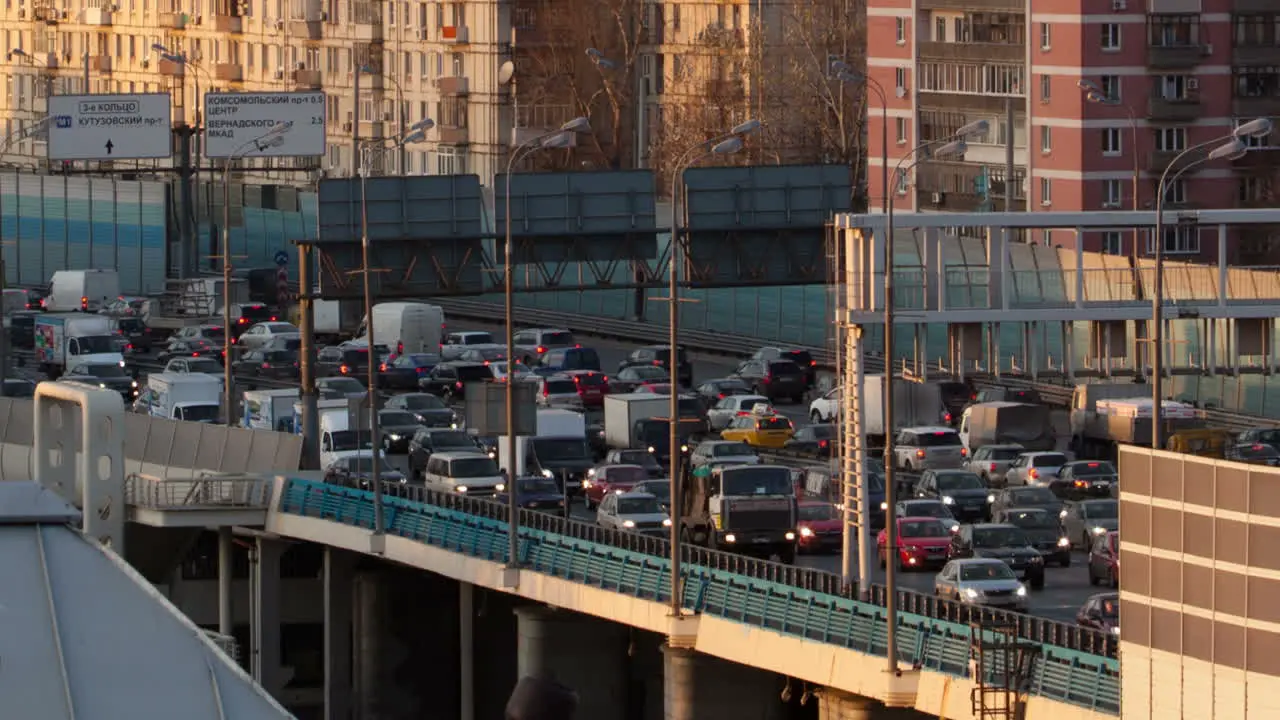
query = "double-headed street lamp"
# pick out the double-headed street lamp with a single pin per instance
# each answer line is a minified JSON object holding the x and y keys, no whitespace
{"x":558,"y":138}
{"x":1094,"y":93}
{"x":950,"y":146}
{"x":725,"y":144}
{"x":1226,"y":147}
{"x":416,"y":133}
{"x":847,"y":75}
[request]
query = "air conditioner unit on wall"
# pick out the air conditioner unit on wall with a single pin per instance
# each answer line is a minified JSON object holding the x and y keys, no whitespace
{"x":1118,"y":5}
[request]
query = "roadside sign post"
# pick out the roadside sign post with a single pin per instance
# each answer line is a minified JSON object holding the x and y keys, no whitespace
{"x":232,"y":121}
{"x":282,"y":279}
{"x":109,"y":127}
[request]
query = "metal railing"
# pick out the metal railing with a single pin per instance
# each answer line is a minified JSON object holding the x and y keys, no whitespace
{"x":206,"y":491}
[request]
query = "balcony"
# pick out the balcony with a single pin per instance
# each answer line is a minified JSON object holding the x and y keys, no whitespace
{"x":98,"y":15}
{"x":171,"y":68}
{"x":1176,"y":56}
{"x":100,"y":63}
{"x":1014,"y":6}
{"x":307,"y":29}
{"x":372,"y":130}
{"x":1267,"y":55}
{"x":1260,"y":158}
{"x":455,"y":34}
{"x":1260,"y":7}
{"x":973,"y":52}
{"x":173,"y":21}
{"x":1176,"y":110}
{"x":368,"y":33}
{"x":229,"y":72}
{"x":46,"y":14}
{"x":453,"y":86}
{"x":1256,"y":107}
{"x":453,"y":135}
{"x":228,"y":24}
{"x":1160,"y":160}
{"x":307,"y":79}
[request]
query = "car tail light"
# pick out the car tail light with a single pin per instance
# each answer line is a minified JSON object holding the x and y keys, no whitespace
{"x":920,"y":453}
{"x":266,"y":366}
{"x":1033,"y":473}
{"x":458,"y":384}
{"x":1080,"y":483}
{"x":766,"y":378}
{"x":813,"y":363}
{"x":993,"y":467}
{"x":822,"y":443}
{"x":541,"y":349}
{"x":84,"y":303}
{"x":344,"y":369}
{"x":274,"y":318}
{"x":964,"y":452}
{"x":946,"y":417}
{"x":720,"y":396}
{"x":743,"y":413}
{"x":577,"y":347}
{"x":242,"y":321}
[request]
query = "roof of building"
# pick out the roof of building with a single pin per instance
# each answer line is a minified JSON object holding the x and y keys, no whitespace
{"x":83,"y":636}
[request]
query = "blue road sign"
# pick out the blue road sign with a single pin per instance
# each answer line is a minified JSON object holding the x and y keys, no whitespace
{"x":282,"y":258}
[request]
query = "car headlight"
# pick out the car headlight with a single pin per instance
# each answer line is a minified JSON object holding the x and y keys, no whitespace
{"x":1022,"y":591}
{"x":1099,"y":530}
{"x":806,"y":532}
{"x":666,"y":522}
{"x":1115,"y":630}
{"x":135,"y":383}
{"x":547,"y":473}
{"x":971,"y":593}
{"x":1036,"y":559}
{"x":1062,"y":513}
{"x":1064,"y":542}
{"x":500,"y":487}
{"x":991,"y":498}
{"x":586,"y":484}
{"x":948,"y":500}
{"x":591,"y":472}
{"x":790,"y":535}
{"x":884,"y":506}
{"x":102,"y":385}
{"x":460,"y":488}
{"x":628,"y":523}
{"x":731,"y":538}
{"x":684,"y":448}
{"x":453,"y":426}
{"x":396,"y":436}
{"x":651,"y":448}
{"x":493,"y":454}
{"x":955,"y":528}
{"x":559,"y":503}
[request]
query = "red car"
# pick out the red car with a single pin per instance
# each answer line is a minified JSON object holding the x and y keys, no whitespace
{"x":592,"y":386}
{"x":922,"y":542}
{"x":820,"y":527}
{"x":605,"y":479}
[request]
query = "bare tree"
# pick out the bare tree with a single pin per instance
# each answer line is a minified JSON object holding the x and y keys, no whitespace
{"x":558,"y":80}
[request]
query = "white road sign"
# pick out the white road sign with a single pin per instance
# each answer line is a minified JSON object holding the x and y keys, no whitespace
{"x":233,"y":121}
{"x":109,"y":127}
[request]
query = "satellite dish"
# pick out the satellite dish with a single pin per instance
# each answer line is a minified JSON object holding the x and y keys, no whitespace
{"x":505,"y":72}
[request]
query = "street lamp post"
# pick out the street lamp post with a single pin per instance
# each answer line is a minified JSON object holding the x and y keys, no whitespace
{"x":545,"y":141}
{"x":1228,"y":147}
{"x":726,"y":144}
{"x":1094,"y":94}
{"x":417,"y":132}
{"x":271,"y":138}
{"x":953,"y":145}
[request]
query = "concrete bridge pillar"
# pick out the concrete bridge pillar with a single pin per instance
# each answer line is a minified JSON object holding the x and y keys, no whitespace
{"x":265,"y":620}
{"x":338,"y":571}
{"x":701,"y":687}
{"x":838,"y":705}
{"x":580,"y":652}
{"x":371,"y":625}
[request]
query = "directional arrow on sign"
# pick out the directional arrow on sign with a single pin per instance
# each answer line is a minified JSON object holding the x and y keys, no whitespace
{"x":110,"y":145}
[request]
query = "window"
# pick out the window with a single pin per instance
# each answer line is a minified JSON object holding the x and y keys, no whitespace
{"x":1254,"y":189}
{"x":1110,"y":37}
{"x":1173,"y":30}
{"x":1046,"y":191}
{"x":1110,"y":85}
{"x":1111,"y":141}
{"x":901,"y":130}
{"x":1174,"y":87}
{"x":901,"y":28}
{"x":1171,"y":139}
{"x":904,"y":183}
{"x":1045,"y":38}
{"x":900,"y":77}
{"x":940,"y":29}
{"x":1253,"y":142}
{"x":1257,"y":30}
{"x":1111,"y":193}
{"x":1112,"y":242}
{"x":1178,"y":239}
{"x":1046,"y":88}
{"x":1257,"y":82}
{"x":451,"y":160}
{"x":1046,"y":139}
{"x":970,"y":78}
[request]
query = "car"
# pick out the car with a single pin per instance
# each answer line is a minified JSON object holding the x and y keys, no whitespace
{"x":819,"y":526}
{"x":108,"y":376}
{"x":535,"y":492}
{"x":1006,"y":543}
{"x":1026,"y":497}
{"x":337,"y":388}
{"x":660,"y":489}
{"x":1101,"y":612}
{"x":264,"y":332}
{"x":397,"y":428}
{"x":428,"y":410}
{"x":1043,"y":528}
{"x":1104,"y":560}
{"x":498,"y":371}
{"x":726,"y":409}
{"x":956,"y":396}
{"x":963,"y":493}
{"x":927,"y":508}
{"x":187,"y":365}
{"x":342,"y":361}
{"x":802,"y":358}
{"x":558,"y":391}
{"x":482,"y":354}
{"x":775,"y":379}
{"x":530,"y":345}
{"x":713,"y":391}
{"x":826,"y":407}
{"x":922,"y":542}
{"x":928,"y":447}
{"x":570,"y":359}
{"x":404,"y":371}
{"x":136,"y":331}
{"x":356,"y":471}
{"x":761,"y":428}
{"x":816,"y":440}
{"x":592,"y":386}
{"x":654,"y":388}
{"x":428,"y":441}
{"x":723,"y":452}
{"x":465,"y":472}
{"x":1035,"y":468}
{"x":249,"y":314}
{"x":456,"y":342}
{"x":991,"y":462}
{"x":1084,"y":478}
{"x":633,"y":512}
{"x":1254,"y":454}
{"x":604,"y":480}
{"x":629,"y":378}
{"x":1264,"y":436}
{"x":636,"y":456}
{"x":123,"y":306}
{"x":1087,"y":519}
{"x":660,"y":356}
{"x":195,"y":341}
{"x":979,"y":581}
{"x":268,"y":364}
{"x":449,"y":380}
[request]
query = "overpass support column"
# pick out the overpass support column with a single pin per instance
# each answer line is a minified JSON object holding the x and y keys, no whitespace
{"x":701,"y":687}
{"x":839,"y":705}
{"x":224,"y":580}
{"x":372,"y":617}
{"x":338,"y":566}
{"x":265,"y":637}
{"x":579,"y":652}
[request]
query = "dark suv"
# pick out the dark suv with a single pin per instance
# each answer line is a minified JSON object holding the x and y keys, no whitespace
{"x":660,"y":356}
{"x":802,"y":358}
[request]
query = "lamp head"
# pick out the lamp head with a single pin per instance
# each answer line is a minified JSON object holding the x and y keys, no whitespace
{"x":274,"y":142}
{"x":955,"y":148}
{"x":416,"y":136}
{"x":746,"y":128}
{"x":562,"y":139}
{"x":1254,"y":129}
{"x":424,"y":125}
{"x":173,"y":58}
{"x":1233,"y":149}
{"x":18,"y":52}
{"x":973,"y":129}
{"x":578,"y":124}
{"x":727,"y":147}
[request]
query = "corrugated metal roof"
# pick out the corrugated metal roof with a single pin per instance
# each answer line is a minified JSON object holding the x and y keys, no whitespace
{"x":83,"y":636}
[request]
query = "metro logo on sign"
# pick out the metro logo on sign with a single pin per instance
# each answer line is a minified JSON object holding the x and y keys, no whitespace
{"x":109,"y":127}
{"x":233,"y":121}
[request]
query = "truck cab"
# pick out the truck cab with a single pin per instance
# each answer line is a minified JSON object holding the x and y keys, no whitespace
{"x":748,"y":509}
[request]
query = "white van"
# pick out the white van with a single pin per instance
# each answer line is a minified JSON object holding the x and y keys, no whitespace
{"x":87,"y":290}
{"x":337,"y":440}
{"x":406,"y":327}
{"x":464,"y":472}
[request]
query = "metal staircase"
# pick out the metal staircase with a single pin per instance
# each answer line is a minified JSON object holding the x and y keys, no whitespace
{"x":1001,"y":667}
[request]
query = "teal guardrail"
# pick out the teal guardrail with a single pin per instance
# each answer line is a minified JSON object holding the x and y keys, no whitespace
{"x":1058,"y":673}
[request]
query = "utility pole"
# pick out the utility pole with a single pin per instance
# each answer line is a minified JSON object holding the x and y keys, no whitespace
{"x":306,"y":321}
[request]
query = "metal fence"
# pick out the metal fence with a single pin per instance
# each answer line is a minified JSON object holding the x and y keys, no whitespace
{"x":199,"y":493}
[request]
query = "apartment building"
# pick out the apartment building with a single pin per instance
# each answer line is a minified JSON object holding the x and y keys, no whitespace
{"x":1169,"y":74}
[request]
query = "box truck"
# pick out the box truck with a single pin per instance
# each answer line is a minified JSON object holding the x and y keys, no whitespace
{"x":269,"y":410}
{"x":193,"y":397}
{"x":66,"y":339}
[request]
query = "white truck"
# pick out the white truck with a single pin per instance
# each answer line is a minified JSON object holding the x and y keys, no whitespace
{"x":915,"y":403}
{"x":623,"y":412}
{"x":335,"y":320}
{"x":1007,"y":423}
{"x":1106,"y":415}
{"x":269,"y":410}
{"x":194,"y":397}
{"x":66,"y":339}
{"x":559,"y":450}
{"x":406,"y":327}
{"x":82,"y":290}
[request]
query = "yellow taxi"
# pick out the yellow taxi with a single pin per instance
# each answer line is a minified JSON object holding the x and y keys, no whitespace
{"x":761,"y":427}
